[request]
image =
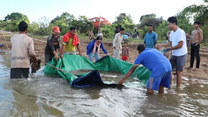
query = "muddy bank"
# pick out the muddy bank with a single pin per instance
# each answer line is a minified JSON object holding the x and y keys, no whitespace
{"x":40,"y":46}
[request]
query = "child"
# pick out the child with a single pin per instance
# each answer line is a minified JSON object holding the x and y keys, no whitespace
{"x":93,"y":48}
{"x":125,"y":52}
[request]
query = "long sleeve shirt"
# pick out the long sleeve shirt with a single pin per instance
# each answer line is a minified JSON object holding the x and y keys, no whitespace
{"x":22,"y":49}
{"x":117,"y":41}
{"x":90,"y":47}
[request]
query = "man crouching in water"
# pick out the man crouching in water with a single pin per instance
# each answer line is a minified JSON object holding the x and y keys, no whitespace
{"x":159,"y":66}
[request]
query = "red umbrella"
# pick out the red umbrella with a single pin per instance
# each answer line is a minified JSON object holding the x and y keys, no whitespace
{"x":99,"y":21}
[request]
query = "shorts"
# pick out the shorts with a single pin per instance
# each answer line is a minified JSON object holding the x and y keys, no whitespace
{"x":124,"y":58}
{"x":19,"y":73}
{"x":163,"y":80}
{"x":178,"y":62}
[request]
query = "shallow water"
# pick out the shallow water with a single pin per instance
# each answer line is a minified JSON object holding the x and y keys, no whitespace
{"x":52,"y":96}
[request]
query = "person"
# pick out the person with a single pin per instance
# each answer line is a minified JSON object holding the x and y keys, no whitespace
{"x":52,"y":45}
{"x":125,"y":52}
{"x":178,"y":47}
{"x":150,"y":38}
{"x":70,"y":43}
{"x":159,"y":66}
{"x":187,"y":39}
{"x":93,"y":48}
{"x":21,"y":51}
{"x":117,"y":30}
{"x":100,"y":33}
{"x":90,"y":35}
{"x":196,"y":39}
{"x":117,"y":43}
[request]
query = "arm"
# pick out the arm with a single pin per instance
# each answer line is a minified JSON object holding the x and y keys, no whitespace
{"x":128,"y":52}
{"x":78,"y":48}
{"x":180,"y":45}
{"x":114,"y":41}
{"x":50,"y":43}
{"x":129,"y":73}
{"x":200,"y":37}
{"x":155,"y":39}
{"x":31,"y":51}
{"x":62,"y":50}
{"x":104,"y":50}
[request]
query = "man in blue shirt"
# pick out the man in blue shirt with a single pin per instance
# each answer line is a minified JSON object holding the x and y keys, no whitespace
{"x":159,"y":66}
{"x":150,"y":38}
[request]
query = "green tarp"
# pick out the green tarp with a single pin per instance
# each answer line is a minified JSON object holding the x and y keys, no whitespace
{"x":109,"y":64}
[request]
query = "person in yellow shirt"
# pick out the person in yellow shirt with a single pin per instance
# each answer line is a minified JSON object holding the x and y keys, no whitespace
{"x":70,"y":43}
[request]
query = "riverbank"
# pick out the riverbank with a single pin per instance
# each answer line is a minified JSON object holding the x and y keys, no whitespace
{"x":40,"y":43}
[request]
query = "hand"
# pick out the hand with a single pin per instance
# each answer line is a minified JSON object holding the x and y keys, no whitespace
{"x":166,"y":50}
{"x":61,"y":56}
{"x":56,"y":57}
{"x":158,"y":46}
{"x":80,"y":54}
{"x":196,"y":44}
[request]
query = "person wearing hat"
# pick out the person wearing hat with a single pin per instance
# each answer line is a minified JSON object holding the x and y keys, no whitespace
{"x":52,"y":45}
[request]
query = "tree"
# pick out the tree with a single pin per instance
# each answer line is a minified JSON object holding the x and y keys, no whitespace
{"x":82,"y":24}
{"x":64,"y":21}
{"x":145,"y":20}
{"x":197,"y":13}
{"x":12,"y":21}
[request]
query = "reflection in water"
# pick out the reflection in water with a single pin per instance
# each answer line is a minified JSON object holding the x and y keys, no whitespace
{"x":52,"y":96}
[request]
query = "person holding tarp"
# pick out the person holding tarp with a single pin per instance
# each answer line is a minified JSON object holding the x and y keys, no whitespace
{"x":93,"y":48}
{"x":70,"y":43}
{"x":52,"y":45}
{"x":21,"y":52}
{"x":159,"y":66}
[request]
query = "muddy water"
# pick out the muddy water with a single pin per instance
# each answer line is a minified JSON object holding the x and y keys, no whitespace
{"x":52,"y":96}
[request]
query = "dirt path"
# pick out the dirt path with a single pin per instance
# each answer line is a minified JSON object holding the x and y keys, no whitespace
{"x":40,"y":46}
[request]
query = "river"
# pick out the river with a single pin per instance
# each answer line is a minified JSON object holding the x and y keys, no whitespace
{"x":44,"y":96}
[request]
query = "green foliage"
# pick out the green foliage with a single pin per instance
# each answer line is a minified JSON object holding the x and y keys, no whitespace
{"x":33,"y":28}
{"x":145,"y":20}
{"x":162,"y":30}
{"x":12,"y":21}
{"x":108,"y":31}
{"x":64,"y":22}
{"x":197,"y":13}
{"x":82,"y":25}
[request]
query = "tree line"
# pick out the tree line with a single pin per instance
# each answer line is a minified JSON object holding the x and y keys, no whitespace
{"x":83,"y":25}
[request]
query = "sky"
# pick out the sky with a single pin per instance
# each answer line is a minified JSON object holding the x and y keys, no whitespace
{"x":110,"y":9}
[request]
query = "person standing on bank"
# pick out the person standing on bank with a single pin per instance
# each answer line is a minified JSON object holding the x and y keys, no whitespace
{"x":21,"y":51}
{"x":150,"y":38}
{"x":196,"y":39}
{"x":52,"y":45}
{"x":117,"y":43}
{"x":178,"y":47}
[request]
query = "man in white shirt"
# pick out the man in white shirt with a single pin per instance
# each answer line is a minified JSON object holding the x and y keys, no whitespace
{"x":22,"y":50}
{"x":178,"y":47}
{"x":117,"y":43}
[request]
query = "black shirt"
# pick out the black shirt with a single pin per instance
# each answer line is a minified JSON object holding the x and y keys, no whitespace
{"x":52,"y":44}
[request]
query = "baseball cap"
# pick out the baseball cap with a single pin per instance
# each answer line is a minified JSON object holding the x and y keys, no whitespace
{"x":56,"y":29}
